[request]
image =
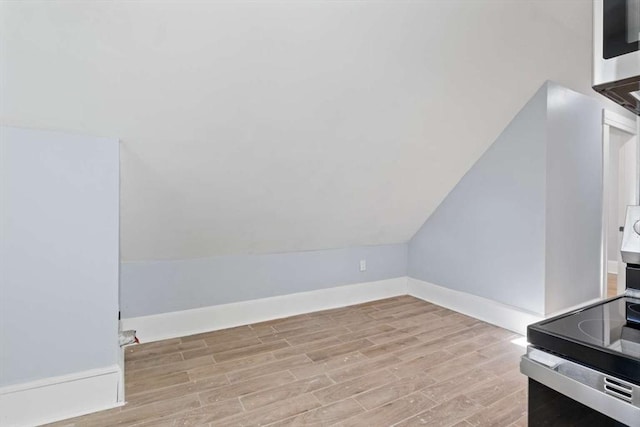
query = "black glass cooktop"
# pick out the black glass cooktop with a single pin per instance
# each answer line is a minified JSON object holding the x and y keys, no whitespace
{"x":605,"y":336}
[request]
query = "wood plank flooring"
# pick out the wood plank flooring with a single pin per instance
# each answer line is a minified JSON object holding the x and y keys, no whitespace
{"x":399,"y":361}
{"x":612,"y":285}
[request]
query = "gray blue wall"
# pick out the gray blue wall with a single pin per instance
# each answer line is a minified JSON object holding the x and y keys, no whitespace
{"x":487,"y":236}
{"x":523,"y":226}
{"x":58,"y":254}
{"x":154,"y":287}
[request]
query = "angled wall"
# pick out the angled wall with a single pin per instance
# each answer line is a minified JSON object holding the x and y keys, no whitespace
{"x":523,"y":226}
{"x":284,"y":126}
{"x":487,"y":236}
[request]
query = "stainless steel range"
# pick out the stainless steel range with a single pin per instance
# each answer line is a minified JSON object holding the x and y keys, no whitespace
{"x":584,"y":366}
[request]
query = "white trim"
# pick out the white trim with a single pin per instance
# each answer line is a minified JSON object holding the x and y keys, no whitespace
{"x":604,"y":235}
{"x":487,"y":310}
{"x":619,"y":121}
{"x":612,"y":267}
{"x":611,"y":119}
{"x":188,"y":322}
{"x":57,"y":398}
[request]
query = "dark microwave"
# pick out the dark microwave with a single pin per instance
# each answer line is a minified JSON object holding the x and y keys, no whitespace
{"x":616,"y":53}
{"x":620,"y":27}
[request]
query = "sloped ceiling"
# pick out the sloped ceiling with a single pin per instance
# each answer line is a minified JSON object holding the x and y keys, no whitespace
{"x":252,"y":127}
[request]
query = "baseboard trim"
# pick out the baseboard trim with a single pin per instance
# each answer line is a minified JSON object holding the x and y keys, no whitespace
{"x":484,"y":309}
{"x":189,"y":322}
{"x":612,"y":267}
{"x":58,"y":398}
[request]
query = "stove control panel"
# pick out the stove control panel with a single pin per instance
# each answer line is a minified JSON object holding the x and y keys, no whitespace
{"x":631,"y":236}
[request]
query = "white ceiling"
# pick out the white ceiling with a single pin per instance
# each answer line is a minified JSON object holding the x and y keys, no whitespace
{"x":272,"y":126}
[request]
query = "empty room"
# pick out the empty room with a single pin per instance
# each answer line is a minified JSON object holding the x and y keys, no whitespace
{"x":319,"y":213}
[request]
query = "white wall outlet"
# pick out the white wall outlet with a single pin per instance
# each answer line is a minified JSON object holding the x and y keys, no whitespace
{"x":363,"y":265}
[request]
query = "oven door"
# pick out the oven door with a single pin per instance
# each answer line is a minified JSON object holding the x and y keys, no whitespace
{"x":563,"y":390}
{"x":548,"y":408}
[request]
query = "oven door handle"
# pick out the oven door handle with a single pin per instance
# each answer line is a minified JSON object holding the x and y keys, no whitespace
{"x":585,"y":391}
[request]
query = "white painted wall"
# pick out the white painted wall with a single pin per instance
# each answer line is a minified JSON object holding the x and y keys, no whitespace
{"x":58,"y":254}
{"x":573,"y":232}
{"x":613,"y":235}
{"x":629,"y":183}
{"x":622,"y":187}
{"x":271,"y":126}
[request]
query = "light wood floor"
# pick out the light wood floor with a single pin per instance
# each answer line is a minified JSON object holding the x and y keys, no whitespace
{"x":612,"y":285}
{"x":399,"y":361}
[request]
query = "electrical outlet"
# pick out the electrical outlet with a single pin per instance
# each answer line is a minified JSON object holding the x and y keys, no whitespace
{"x":363,"y":265}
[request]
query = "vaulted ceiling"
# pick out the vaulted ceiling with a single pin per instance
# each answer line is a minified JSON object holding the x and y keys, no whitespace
{"x":252,"y":127}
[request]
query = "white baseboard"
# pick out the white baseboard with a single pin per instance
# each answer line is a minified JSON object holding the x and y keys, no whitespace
{"x":612,"y":267}
{"x":189,"y":322}
{"x":57,"y":398}
{"x":487,"y":310}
